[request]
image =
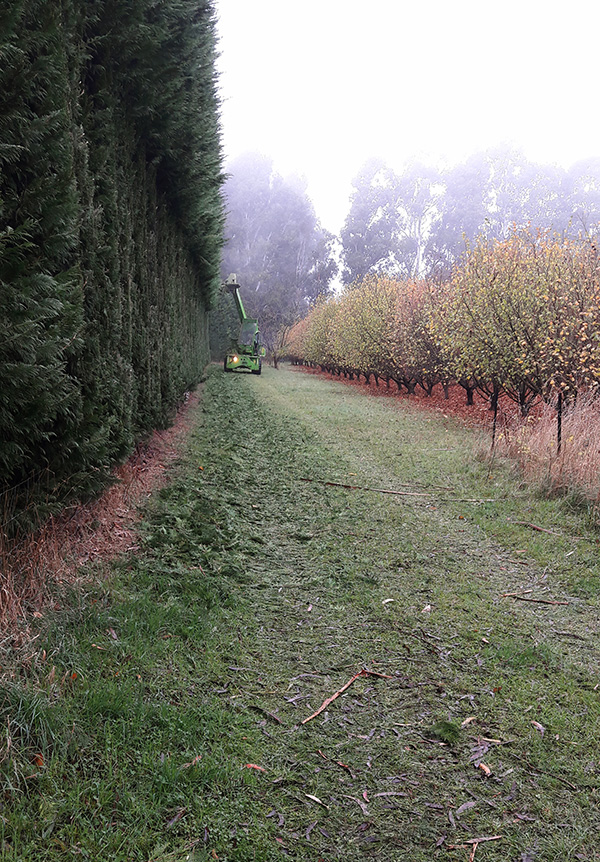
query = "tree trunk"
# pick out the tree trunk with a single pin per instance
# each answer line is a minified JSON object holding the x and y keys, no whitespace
{"x":494,"y":407}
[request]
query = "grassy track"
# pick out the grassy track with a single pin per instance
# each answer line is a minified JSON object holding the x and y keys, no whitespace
{"x":160,"y":714}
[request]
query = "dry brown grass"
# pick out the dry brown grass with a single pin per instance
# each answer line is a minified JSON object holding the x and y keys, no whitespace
{"x":30,"y":565}
{"x":533,"y":445}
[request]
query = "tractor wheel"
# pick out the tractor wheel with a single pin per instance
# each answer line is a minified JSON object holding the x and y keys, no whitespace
{"x":225,"y":365}
{"x":259,"y":369}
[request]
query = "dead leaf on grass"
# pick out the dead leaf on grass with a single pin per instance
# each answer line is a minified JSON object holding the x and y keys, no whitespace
{"x":181,"y":812}
{"x":465,"y":807}
{"x":539,"y":727}
{"x":310,"y":829}
{"x":360,"y":803}
{"x":317,"y":800}
{"x":479,"y":751}
{"x":468,"y":720}
{"x":390,"y":793}
{"x":280,"y":817}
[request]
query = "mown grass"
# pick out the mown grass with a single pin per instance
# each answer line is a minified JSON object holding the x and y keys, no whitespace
{"x":134,"y":729}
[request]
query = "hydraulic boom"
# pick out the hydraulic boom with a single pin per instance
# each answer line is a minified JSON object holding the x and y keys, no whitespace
{"x":246,"y":353}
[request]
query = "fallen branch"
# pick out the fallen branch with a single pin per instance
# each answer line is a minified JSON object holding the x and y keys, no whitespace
{"x":544,"y":530}
{"x":395,"y":493}
{"x":539,"y":771}
{"x":518,"y":593}
{"x":341,"y":690}
{"x":539,"y":601}
{"x":362,"y":488}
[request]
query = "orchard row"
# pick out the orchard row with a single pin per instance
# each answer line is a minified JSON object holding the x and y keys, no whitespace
{"x":519,"y":316}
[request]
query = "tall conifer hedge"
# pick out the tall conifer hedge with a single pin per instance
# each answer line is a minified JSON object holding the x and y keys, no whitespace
{"x":110,"y":232}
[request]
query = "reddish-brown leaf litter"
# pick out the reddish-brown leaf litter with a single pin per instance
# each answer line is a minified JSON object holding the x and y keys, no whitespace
{"x":105,"y":528}
{"x":97,"y":531}
{"x":455,"y":404}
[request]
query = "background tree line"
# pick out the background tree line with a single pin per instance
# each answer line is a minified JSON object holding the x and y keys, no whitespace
{"x":416,"y":223}
{"x":110,"y":232}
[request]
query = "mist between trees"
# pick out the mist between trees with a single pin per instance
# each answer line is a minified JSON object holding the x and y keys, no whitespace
{"x":409,"y":225}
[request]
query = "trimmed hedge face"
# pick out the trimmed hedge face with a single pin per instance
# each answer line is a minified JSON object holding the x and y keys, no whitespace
{"x":110,"y":232}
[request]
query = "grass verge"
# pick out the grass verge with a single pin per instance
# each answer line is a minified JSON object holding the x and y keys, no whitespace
{"x":159,"y":714}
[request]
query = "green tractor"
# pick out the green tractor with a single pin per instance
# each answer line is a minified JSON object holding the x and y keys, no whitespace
{"x":246,"y":353}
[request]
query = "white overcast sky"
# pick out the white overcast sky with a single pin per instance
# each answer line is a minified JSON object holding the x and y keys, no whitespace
{"x":322,"y":85}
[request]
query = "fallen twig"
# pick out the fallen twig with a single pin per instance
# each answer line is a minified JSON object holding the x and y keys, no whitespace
{"x":395,"y":493}
{"x":518,"y":593}
{"x":341,"y":690}
{"x":265,"y":712}
{"x":338,"y":763}
{"x":544,"y":530}
{"x":362,"y":488}
{"x":539,"y":601}
{"x":539,"y":771}
{"x":474,"y":841}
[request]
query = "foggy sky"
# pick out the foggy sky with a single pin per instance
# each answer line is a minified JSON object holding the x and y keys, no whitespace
{"x":323,"y":85}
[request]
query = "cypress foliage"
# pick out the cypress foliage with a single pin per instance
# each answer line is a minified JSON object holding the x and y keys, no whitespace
{"x":110,"y":232}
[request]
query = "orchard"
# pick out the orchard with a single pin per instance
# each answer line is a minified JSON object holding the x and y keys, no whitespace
{"x":519,"y":317}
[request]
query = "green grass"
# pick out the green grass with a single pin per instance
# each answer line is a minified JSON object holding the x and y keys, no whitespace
{"x":259,"y":594}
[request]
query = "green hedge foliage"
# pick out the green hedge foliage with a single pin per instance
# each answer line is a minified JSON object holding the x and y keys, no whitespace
{"x":110,"y":232}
